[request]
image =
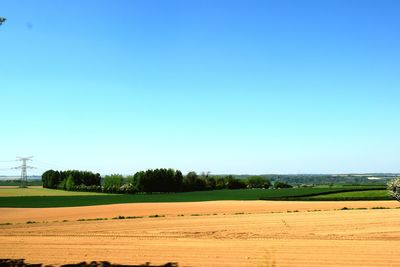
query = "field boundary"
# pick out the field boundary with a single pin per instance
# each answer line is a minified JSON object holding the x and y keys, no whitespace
{"x":314,"y":196}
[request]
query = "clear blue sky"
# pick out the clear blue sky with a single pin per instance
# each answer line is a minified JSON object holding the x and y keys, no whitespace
{"x":220,"y":86}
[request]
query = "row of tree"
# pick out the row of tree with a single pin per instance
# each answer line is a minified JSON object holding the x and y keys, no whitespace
{"x":157,"y":180}
{"x":326,"y":179}
{"x":62,"y":179}
{"x":169,"y":180}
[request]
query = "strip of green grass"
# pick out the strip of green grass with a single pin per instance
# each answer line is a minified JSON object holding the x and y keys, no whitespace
{"x":343,"y":196}
{"x":18,"y":183}
{"x":103,"y":199}
{"x":356,"y":195}
{"x":309,"y":194}
{"x":37,"y":191}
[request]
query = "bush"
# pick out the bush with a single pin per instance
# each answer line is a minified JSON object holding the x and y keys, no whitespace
{"x":88,"y":188}
{"x":394,"y":188}
{"x":258,"y":182}
{"x":282,"y":185}
{"x":127,"y":188}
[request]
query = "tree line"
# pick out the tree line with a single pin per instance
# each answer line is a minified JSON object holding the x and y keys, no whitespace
{"x":150,"y":181}
{"x":325,"y":179}
{"x":70,"y":178}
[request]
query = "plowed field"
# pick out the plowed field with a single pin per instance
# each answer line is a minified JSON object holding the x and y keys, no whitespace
{"x":221,"y":233}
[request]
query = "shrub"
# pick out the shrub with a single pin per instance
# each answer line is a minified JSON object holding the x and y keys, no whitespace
{"x":282,"y":185}
{"x":156,"y":216}
{"x":118,"y":218}
{"x":258,"y":182}
{"x":127,"y":188}
{"x":394,"y":188}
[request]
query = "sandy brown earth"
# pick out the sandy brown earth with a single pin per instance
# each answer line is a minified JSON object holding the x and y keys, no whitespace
{"x":186,"y":208}
{"x":264,"y":235}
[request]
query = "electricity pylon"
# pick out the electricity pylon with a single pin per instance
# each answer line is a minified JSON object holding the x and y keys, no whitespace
{"x":23,"y":167}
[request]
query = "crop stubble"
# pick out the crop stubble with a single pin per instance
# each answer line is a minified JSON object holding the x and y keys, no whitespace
{"x":251,"y":233}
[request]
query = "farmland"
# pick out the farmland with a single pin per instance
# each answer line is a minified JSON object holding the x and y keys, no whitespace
{"x":203,"y":228}
{"x":10,"y":191}
{"x":216,"y":233}
{"x":41,"y":198}
{"x":200,"y":133}
{"x":355,"y":195}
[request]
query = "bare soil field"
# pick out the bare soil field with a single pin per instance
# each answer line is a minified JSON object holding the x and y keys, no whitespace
{"x":221,"y":233}
{"x":185,"y":208}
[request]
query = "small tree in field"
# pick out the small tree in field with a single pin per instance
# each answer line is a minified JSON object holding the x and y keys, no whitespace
{"x":113,"y":182}
{"x":69,"y":183}
{"x":394,"y":188}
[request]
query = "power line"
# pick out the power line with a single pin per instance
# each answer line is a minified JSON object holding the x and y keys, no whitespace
{"x":8,"y":160}
{"x":49,"y":164}
{"x":6,"y":169}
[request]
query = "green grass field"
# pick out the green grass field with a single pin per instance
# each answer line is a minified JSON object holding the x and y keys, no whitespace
{"x":373,"y":194}
{"x":18,"y":182}
{"x":39,"y":197}
{"x":39,"y":191}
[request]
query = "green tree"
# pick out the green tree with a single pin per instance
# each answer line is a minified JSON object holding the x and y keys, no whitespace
{"x":233,"y":183}
{"x":220,"y":183}
{"x":57,"y":179}
{"x":192,"y":182}
{"x":112,"y":182}
{"x":130,"y":179}
{"x":158,"y":180}
{"x":278,"y":184}
{"x":69,"y":183}
{"x":258,"y":182}
{"x":211,"y":183}
{"x":51,"y":179}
